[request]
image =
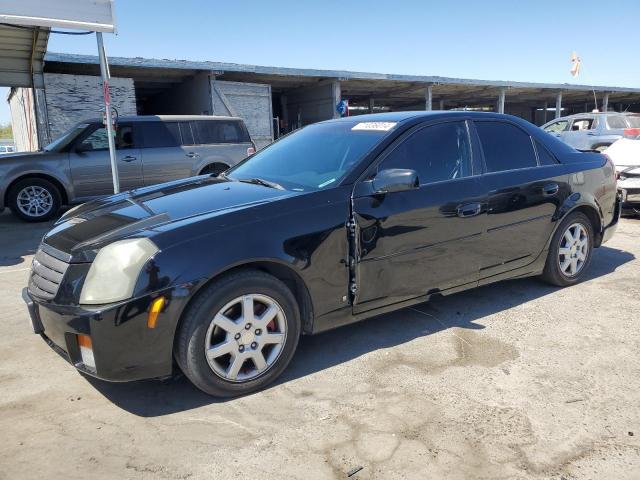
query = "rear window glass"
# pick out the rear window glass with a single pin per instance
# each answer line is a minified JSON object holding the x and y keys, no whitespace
{"x":219,"y":131}
{"x":616,"y":121}
{"x":634,"y":121}
{"x":505,"y":146}
{"x":544,"y":156}
{"x":160,"y":134}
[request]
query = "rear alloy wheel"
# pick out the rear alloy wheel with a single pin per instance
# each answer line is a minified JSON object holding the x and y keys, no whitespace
{"x":238,"y":334}
{"x":34,"y":200}
{"x":570,"y":251}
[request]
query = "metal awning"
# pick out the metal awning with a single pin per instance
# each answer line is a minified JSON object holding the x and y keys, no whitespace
{"x":24,"y":32}
{"x":22,"y":55}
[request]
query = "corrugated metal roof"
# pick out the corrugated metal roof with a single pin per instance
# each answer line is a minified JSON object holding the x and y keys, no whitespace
{"x":20,"y":48}
{"x":304,"y":72}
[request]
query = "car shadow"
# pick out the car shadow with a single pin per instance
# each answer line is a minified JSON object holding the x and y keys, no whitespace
{"x":466,"y":310}
{"x":19,"y":239}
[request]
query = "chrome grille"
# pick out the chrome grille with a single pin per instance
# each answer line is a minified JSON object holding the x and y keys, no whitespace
{"x":46,"y":274}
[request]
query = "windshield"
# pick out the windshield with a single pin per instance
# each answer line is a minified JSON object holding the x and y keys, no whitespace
{"x":314,"y":157}
{"x":66,"y":138}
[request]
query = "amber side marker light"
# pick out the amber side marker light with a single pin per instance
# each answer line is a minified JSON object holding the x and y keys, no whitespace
{"x":86,"y":351}
{"x":156,"y":307}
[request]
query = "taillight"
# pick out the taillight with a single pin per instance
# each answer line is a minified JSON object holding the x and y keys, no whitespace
{"x":631,"y":132}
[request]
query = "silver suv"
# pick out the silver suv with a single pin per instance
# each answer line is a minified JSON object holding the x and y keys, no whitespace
{"x":75,"y":168}
{"x":592,"y":131}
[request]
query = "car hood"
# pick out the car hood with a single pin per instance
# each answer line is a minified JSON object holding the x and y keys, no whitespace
{"x":10,"y":157}
{"x":84,"y":229}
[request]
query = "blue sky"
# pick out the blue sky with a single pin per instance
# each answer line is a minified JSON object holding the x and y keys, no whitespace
{"x":490,"y":39}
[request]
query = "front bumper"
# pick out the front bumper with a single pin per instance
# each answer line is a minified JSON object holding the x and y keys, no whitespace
{"x":124,"y":348}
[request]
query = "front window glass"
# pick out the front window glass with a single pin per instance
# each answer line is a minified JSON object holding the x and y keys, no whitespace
{"x":98,"y":139}
{"x":66,"y":138}
{"x":312,"y":158}
{"x":436,"y":153}
{"x":556,"y":127}
{"x":580,"y":124}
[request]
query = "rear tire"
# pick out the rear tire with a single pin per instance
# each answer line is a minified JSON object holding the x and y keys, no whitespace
{"x":570,"y":251}
{"x":227,"y":348}
{"x":35,"y":200}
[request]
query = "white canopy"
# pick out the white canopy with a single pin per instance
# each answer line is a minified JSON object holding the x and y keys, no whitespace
{"x":24,"y":33}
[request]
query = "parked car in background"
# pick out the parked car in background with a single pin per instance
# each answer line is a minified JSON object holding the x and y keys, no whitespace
{"x":337,"y":222}
{"x":76,"y":168}
{"x":7,"y":149}
{"x":625,"y":154}
{"x":592,"y":131}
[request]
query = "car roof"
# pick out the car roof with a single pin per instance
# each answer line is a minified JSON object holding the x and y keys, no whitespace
{"x":421,"y":114}
{"x":163,"y":118}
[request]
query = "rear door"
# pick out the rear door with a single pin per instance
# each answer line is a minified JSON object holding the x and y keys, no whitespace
{"x":422,"y":240}
{"x":90,"y":163}
{"x":581,"y":132}
{"x":163,"y":158}
{"x":525,"y":185}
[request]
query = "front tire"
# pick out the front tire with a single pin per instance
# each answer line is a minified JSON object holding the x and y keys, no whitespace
{"x":239,"y":334}
{"x":35,"y":200}
{"x":570,"y":251}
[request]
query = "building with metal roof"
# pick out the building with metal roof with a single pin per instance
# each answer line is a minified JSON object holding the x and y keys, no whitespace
{"x":273,"y":100}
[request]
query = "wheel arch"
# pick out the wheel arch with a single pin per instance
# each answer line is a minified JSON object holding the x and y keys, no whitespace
{"x":279,"y":270}
{"x":592,"y":212}
{"x":43,"y":176}
{"x":215,"y":163}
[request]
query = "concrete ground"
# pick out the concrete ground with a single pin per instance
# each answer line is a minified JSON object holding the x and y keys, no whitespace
{"x":514,"y":380}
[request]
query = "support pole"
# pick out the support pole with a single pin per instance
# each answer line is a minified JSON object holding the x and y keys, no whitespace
{"x":605,"y":102}
{"x":501,"y":98}
{"x":429,"y":98}
{"x":104,"y":72}
{"x":544,"y":113}
{"x":559,"y":105}
{"x":441,"y":104}
{"x":371,"y":104}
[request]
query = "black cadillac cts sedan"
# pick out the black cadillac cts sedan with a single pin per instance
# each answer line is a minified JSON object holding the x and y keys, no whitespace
{"x":337,"y":222}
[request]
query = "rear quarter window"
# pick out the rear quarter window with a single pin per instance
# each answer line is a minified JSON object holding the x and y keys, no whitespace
{"x":505,"y":146}
{"x":545,"y":157}
{"x":221,"y":131}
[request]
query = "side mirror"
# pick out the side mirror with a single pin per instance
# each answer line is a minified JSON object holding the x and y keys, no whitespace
{"x":395,"y":180}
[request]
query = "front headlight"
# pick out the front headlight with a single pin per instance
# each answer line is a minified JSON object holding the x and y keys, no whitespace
{"x":115,"y":270}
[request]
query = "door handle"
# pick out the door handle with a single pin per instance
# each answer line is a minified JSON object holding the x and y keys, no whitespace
{"x":550,"y":189}
{"x":128,"y":158}
{"x":469,"y":210}
{"x":193,"y":155}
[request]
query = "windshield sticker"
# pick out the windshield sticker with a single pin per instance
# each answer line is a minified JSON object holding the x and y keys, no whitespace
{"x":377,"y":126}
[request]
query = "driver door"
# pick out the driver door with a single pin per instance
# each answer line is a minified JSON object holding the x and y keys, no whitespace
{"x":427,"y":239}
{"x":91,"y":166}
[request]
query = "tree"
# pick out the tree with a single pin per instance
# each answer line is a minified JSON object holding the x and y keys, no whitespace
{"x":6,"y":131}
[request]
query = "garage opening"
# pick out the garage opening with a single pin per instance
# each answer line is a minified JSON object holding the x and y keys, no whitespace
{"x":173,"y":95}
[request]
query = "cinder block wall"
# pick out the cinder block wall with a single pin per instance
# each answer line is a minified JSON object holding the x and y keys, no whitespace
{"x":73,"y":98}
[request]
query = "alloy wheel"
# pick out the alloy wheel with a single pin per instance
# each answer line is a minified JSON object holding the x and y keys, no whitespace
{"x":245,"y":337}
{"x":34,"y":201}
{"x":573,"y":251}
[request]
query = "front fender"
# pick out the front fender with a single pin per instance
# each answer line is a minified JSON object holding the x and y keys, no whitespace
{"x":39,"y":169}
